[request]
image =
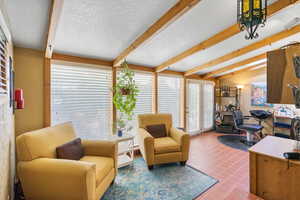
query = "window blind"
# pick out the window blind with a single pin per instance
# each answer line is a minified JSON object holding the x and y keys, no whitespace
{"x":207,"y":105}
{"x":83,"y":96}
{"x":144,"y":81}
{"x":193,"y":107}
{"x":169,"y":97}
{"x":3,"y":63}
{"x":200,"y":106}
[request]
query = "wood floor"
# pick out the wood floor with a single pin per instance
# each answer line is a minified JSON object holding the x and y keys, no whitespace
{"x":230,"y":166}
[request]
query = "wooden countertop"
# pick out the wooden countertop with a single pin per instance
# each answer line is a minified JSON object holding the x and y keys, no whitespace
{"x":274,"y":147}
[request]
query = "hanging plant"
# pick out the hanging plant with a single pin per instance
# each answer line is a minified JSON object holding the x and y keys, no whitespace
{"x":125,"y":93}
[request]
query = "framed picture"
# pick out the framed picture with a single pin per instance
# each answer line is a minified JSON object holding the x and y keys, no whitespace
{"x":259,"y":94}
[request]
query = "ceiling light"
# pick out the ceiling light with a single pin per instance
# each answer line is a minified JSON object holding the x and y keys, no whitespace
{"x":251,"y":14}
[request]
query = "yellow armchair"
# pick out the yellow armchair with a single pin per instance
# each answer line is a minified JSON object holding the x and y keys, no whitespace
{"x":173,"y":148}
{"x":45,"y":177}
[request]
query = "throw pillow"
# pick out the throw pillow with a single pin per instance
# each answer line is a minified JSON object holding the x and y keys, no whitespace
{"x":72,"y":150}
{"x":157,"y":130}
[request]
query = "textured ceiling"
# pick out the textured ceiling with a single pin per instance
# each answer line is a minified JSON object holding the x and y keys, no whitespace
{"x":28,"y":22}
{"x":103,"y":28}
{"x":205,"y":19}
{"x":274,"y":25}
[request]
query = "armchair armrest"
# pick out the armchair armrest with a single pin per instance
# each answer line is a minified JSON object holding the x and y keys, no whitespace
{"x":183,"y":139}
{"x":101,"y":148}
{"x":49,"y":179}
{"x":146,"y":144}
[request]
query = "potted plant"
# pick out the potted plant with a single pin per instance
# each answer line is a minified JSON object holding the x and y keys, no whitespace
{"x":125,"y":93}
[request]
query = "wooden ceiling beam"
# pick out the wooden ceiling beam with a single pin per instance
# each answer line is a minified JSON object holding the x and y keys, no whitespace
{"x":236,"y":65}
{"x":260,"y":65}
{"x":109,"y":64}
{"x":221,"y":36}
{"x":259,"y":44}
{"x":170,"y":16}
{"x":239,"y":72}
{"x":54,"y":15}
{"x":77,"y":59}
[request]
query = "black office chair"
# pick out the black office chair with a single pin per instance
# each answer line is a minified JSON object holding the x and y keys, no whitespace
{"x":252,"y":130}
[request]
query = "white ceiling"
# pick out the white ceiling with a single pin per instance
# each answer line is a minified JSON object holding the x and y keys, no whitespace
{"x":102,"y":29}
{"x":28,"y":22}
{"x":273,"y":46}
{"x":196,"y":25}
{"x":274,"y":25}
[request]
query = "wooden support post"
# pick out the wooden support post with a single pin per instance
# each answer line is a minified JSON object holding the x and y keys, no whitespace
{"x":184,"y":103}
{"x":47,"y":92}
{"x":114,"y":110}
{"x":155,"y":94}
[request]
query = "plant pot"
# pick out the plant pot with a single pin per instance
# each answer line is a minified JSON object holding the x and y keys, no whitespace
{"x":120,"y":133}
{"x":125,"y":91}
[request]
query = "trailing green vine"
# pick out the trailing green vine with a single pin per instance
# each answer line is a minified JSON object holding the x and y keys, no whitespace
{"x":125,"y":93}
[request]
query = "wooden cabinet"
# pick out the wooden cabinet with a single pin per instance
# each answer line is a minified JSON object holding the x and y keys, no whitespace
{"x":280,"y":73}
{"x":272,"y":177}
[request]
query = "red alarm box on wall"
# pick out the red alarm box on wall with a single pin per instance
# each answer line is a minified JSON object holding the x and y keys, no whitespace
{"x":19,"y":99}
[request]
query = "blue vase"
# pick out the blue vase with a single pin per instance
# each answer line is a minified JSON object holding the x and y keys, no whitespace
{"x":120,"y":133}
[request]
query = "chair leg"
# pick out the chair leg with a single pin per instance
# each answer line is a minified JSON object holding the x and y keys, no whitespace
{"x":182,"y":163}
{"x":113,"y":182}
{"x":150,"y":167}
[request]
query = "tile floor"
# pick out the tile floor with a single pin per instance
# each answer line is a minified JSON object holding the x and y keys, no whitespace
{"x":230,"y":166}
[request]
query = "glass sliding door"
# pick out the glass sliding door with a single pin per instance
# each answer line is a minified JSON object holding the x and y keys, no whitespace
{"x":208,"y":105}
{"x":200,"y":106}
{"x":193,"y":107}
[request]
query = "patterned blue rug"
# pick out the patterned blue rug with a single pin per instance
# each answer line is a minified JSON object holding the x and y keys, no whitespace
{"x":164,"y":182}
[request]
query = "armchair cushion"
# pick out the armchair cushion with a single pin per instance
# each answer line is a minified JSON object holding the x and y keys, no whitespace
{"x":165,"y":145}
{"x":157,"y":130}
{"x":71,"y":150}
{"x":59,"y":179}
{"x":103,"y":166}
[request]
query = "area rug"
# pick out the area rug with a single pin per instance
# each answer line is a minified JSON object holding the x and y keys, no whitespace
{"x":164,"y":182}
{"x":234,"y":141}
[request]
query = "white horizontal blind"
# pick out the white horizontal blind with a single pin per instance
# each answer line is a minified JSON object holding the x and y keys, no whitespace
{"x":3,"y":63}
{"x":82,"y":95}
{"x":207,"y":105}
{"x":169,"y":97}
{"x":144,"y":81}
{"x":193,"y":107}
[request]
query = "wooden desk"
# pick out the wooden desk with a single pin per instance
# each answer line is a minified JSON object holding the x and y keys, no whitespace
{"x":272,"y":177}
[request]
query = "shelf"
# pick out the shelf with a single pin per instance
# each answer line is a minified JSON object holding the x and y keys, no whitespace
{"x":124,"y":160}
{"x":121,"y":152}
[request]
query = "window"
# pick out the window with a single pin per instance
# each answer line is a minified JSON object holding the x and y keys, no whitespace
{"x":3,"y":63}
{"x":207,"y":105}
{"x":82,"y":95}
{"x":193,"y":107}
{"x":200,"y":106}
{"x":144,"y":82}
{"x":169,"y":97}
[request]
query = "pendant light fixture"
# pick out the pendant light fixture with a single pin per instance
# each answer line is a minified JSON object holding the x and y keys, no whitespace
{"x":250,"y":15}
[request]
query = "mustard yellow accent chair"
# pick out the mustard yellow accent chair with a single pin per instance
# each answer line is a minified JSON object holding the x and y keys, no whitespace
{"x":173,"y":148}
{"x":44,"y":177}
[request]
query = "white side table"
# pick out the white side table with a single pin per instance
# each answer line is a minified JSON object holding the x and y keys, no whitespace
{"x":125,"y":148}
